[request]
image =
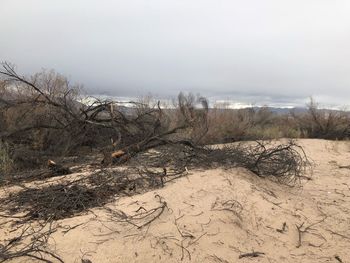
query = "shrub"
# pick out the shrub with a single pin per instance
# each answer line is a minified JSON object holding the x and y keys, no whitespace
{"x":6,"y":163}
{"x":323,"y":123}
{"x":228,"y":125}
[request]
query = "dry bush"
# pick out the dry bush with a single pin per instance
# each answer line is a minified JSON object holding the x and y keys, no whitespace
{"x":193,"y":110}
{"x":229,"y":125}
{"x":69,"y":198}
{"x":54,"y":202}
{"x":33,"y":121}
{"x":321,"y":123}
{"x":286,"y":126}
{"x":6,"y":163}
{"x":284,"y":162}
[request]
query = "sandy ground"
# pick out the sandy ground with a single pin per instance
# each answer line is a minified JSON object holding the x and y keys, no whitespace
{"x":218,"y":215}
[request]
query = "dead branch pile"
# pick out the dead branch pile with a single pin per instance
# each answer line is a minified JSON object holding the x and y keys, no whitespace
{"x":286,"y":162}
{"x":176,"y":158}
{"x":52,"y":202}
{"x":62,"y":200}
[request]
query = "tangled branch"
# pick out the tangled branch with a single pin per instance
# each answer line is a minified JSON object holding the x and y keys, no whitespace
{"x":32,"y":242}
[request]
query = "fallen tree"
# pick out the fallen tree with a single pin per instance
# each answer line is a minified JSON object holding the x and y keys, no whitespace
{"x":50,"y":117}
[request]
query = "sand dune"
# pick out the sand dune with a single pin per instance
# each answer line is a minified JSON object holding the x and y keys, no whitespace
{"x":219,"y":215}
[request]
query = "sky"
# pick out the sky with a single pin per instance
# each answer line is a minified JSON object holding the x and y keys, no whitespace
{"x":275,"y":52}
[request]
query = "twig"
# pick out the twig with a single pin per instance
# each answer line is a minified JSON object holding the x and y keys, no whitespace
{"x":283,"y":229}
{"x":251,"y":254}
{"x":338,"y":259}
{"x":338,"y":234}
{"x":182,"y":251}
{"x":306,"y":229}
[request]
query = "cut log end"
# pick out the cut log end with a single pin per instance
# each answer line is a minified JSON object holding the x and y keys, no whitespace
{"x":57,"y":169}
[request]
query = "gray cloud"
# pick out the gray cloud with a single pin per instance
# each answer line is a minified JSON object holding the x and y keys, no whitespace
{"x":261,"y":50}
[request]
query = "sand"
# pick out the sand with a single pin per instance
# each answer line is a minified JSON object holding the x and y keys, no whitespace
{"x":218,"y":215}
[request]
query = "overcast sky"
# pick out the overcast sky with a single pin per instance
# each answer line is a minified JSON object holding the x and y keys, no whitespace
{"x":259,"y":51}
